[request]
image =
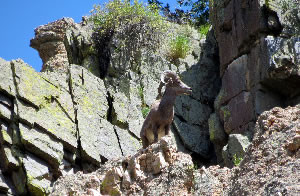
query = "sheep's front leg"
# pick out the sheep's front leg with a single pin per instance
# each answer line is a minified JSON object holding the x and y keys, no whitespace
{"x":145,"y":142}
{"x":155,"y":129}
{"x":167,"y":129}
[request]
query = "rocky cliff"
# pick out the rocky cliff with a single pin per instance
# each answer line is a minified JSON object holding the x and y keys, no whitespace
{"x":83,"y":112}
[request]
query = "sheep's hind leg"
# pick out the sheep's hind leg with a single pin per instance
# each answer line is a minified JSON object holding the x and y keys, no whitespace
{"x":145,"y":142}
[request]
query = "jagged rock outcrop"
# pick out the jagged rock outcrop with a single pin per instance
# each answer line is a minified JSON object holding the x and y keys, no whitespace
{"x":259,"y":62}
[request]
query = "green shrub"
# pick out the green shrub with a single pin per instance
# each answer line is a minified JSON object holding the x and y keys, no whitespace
{"x":203,"y":29}
{"x":290,"y":16}
{"x":179,"y":48}
{"x":237,"y":160}
{"x":136,"y":24}
{"x":145,"y":111}
{"x":145,"y":107}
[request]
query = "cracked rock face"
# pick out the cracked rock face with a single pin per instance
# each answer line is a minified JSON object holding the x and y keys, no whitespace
{"x":54,"y":123}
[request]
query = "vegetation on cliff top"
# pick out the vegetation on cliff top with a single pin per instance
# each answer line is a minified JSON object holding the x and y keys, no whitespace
{"x":179,"y":47}
{"x":135,"y":23}
{"x":133,"y":26}
{"x":140,"y":27}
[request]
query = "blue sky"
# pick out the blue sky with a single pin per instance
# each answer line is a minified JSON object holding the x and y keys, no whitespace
{"x":19,"y":18}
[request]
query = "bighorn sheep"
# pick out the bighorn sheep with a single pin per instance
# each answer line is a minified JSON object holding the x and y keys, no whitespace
{"x":158,"y":122}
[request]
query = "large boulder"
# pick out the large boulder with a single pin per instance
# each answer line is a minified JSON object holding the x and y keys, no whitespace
{"x":37,"y":142}
{"x":235,"y":150}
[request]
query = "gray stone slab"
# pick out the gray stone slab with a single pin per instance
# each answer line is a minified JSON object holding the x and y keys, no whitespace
{"x":35,"y":167}
{"x":194,"y":138}
{"x":8,"y":161}
{"x":129,"y":144}
{"x":99,"y":141}
{"x":42,"y":145}
{"x":40,"y":91}
{"x":38,"y":175}
{"x":97,"y":135}
{"x":5,"y":137}
{"x":52,"y":119}
{"x":234,"y":80}
{"x":238,"y":112}
{"x":6,"y":78}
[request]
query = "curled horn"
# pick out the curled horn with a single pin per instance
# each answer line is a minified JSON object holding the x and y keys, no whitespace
{"x":166,"y":75}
